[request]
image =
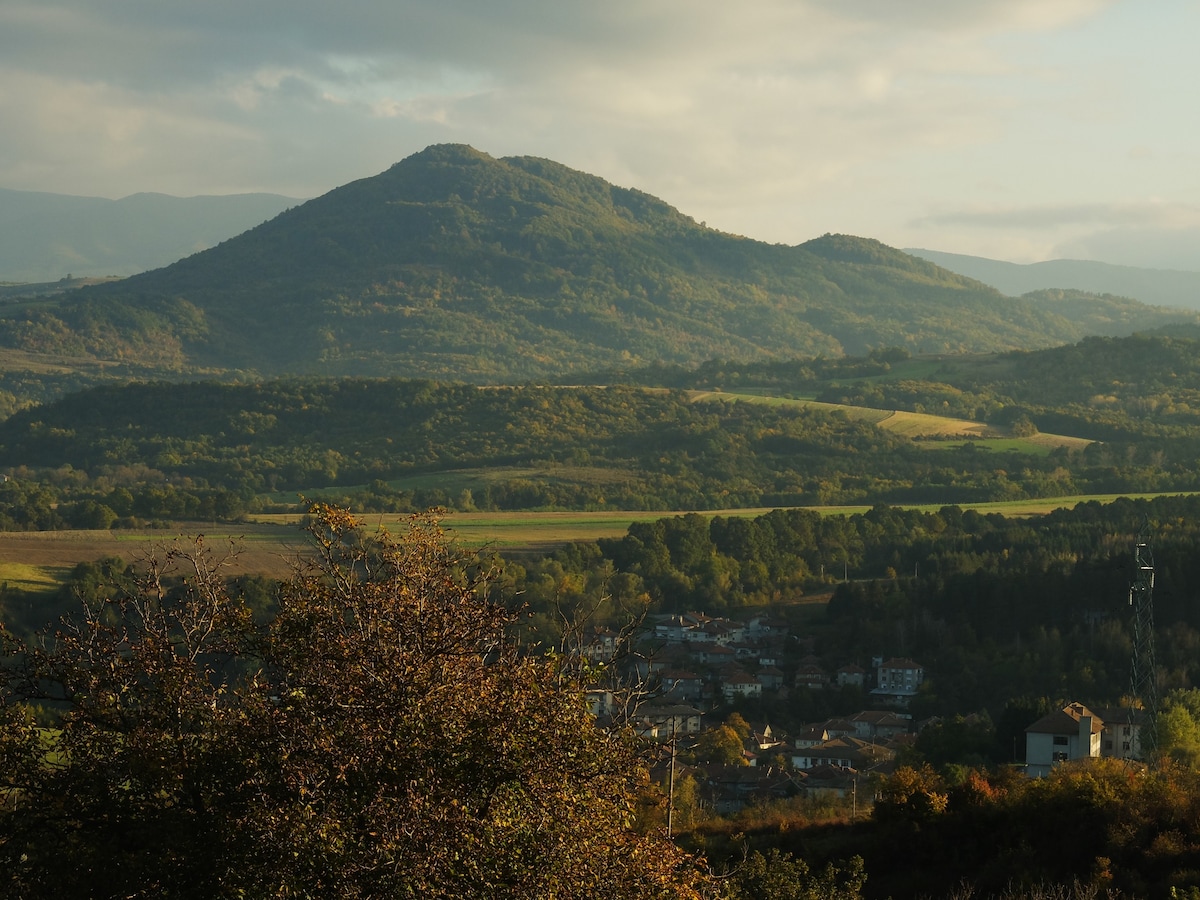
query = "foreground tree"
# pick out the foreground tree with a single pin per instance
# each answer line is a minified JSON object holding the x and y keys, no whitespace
{"x":385,"y":737}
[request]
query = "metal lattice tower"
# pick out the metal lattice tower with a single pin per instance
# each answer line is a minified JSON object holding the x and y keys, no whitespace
{"x":1144,"y":681}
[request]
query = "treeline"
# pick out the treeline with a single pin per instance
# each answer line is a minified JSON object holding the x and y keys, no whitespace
{"x":70,"y":500}
{"x":996,"y":609}
{"x":1104,"y":829}
{"x":398,"y":445}
{"x":1133,"y":389}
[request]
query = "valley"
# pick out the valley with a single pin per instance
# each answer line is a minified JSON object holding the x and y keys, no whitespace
{"x":627,"y":423}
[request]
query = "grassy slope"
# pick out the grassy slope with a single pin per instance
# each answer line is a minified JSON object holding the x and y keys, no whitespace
{"x":918,"y":425}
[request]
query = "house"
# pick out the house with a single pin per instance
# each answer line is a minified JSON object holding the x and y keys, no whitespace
{"x":841,"y":728}
{"x":1073,"y":732}
{"x":676,"y":629}
{"x":600,"y":644}
{"x":682,"y":685}
{"x":771,"y":678}
{"x":766,"y":739}
{"x":725,"y":631}
{"x":715,"y":654}
{"x":851,"y":675}
{"x":767,"y":657}
{"x":760,"y":627}
{"x":671,"y":628}
{"x":897,"y":681}
{"x":743,"y":650}
{"x":879,"y":724}
{"x":844,"y":752}
{"x":599,"y":702}
{"x":812,"y":677}
{"x":811,"y":736}
{"x":740,"y":685}
{"x":731,"y":788}
{"x":663,"y":721}
{"x":829,"y":781}
{"x":1122,"y":737}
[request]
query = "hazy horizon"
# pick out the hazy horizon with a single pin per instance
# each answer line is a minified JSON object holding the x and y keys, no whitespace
{"x":1018,"y":130}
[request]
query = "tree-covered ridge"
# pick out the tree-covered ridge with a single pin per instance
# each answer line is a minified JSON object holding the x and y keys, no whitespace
{"x":1141,"y":391}
{"x":616,"y":447}
{"x":1140,"y":387}
{"x":453,"y":264}
{"x":291,"y":435}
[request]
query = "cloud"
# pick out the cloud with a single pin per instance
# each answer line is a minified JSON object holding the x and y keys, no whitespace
{"x":747,"y":115}
{"x":1157,"y":214}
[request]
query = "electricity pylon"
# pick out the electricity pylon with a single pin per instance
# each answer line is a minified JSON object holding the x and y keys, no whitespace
{"x":1144,"y":680}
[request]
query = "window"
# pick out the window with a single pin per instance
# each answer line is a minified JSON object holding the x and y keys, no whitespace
{"x":1059,"y":756}
{"x":1060,"y":740}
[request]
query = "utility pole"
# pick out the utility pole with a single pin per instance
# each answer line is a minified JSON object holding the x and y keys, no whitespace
{"x":671,"y":786}
{"x":1144,"y":678}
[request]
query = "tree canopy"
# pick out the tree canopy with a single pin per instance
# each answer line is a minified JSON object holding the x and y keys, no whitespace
{"x":384,"y":736}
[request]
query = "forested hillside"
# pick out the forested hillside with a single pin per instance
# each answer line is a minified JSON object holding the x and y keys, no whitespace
{"x":453,"y":264}
{"x":398,"y":444}
{"x":1109,"y":389}
{"x":163,"y":450}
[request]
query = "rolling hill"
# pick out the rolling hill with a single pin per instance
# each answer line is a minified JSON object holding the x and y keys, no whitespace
{"x":453,"y":264}
{"x":1164,"y":287}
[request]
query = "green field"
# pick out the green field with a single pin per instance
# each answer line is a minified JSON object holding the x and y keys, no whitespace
{"x":544,"y":530}
{"x":928,"y":431}
{"x":31,"y":578}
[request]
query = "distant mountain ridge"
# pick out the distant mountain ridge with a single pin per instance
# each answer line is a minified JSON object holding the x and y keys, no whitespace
{"x":454,"y":264}
{"x":1162,"y":287}
{"x":44,"y":237}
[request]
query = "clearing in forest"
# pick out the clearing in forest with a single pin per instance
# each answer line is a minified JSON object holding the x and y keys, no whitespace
{"x":916,"y":426}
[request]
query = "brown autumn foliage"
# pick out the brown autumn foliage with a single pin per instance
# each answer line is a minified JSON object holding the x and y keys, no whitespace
{"x":383,"y":737}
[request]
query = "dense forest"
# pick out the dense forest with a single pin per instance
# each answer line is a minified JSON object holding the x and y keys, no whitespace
{"x":178,"y":451}
{"x":212,"y":450}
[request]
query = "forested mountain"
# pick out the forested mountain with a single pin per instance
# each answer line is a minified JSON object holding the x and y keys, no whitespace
{"x":455,"y":264}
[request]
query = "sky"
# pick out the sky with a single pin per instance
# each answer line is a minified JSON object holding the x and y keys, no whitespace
{"x":1021,"y":130}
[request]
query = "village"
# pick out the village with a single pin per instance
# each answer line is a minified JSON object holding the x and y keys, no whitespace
{"x":693,"y":672}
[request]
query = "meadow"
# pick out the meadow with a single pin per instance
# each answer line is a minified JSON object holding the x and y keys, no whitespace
{"x":928,"y":431}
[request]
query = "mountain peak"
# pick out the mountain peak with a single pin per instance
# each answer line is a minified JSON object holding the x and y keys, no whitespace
{"x":455,"y":154}
{"x":456,"y":264}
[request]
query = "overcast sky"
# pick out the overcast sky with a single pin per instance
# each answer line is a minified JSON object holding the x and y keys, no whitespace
{"x":1015,"y":129}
